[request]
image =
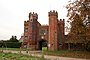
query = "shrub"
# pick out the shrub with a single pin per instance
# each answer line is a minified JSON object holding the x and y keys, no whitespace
{"x":10,"y":44}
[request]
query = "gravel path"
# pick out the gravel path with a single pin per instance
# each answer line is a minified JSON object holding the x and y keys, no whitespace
{"x":38,"y":54}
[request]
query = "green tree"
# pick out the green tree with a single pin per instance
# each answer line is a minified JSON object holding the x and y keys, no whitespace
{"x":13,"y":39}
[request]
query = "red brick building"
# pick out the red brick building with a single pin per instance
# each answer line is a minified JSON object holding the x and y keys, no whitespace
{"x":52,"y":34}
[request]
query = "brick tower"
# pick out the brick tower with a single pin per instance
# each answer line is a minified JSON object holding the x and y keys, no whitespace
{"x":61,"y":34}
{"x":52,"y":34}
{"x":53,"y":30}
{"x":30,"y":31}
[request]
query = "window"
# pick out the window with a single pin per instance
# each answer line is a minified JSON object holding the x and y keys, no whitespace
{"x":31,"y":20}
{"x":25,"y":46}
{"x":26,"y":37}
{"x":43,"y":32}
{"x":26,"y":29}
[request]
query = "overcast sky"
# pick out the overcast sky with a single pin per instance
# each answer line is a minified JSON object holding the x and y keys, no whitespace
{"x":13,"y":13}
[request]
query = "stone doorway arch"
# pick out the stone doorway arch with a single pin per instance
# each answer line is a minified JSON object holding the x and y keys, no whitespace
{"x":43,"y":43}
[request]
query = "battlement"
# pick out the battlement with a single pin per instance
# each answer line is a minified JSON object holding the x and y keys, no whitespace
{"x":62,"y":20}
{"x":51,"y":13}
{"x":34,"y":15}
{"x":26,"y":21}
{"x":35,"y":33}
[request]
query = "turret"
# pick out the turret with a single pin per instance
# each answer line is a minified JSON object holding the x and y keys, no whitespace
{"x":62,"y":21}
{"x":53,"y":31}
{"x":33,"y":16}
{"x":61,"y":29}
{"x":53,"y":13}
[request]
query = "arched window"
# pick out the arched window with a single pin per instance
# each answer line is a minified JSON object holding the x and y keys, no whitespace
{"x":26,"y":29}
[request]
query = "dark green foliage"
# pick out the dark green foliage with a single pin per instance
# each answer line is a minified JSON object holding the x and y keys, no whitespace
{"x":44,"y":44}
{"x":13,"y":39}
{"x":10,"y":44}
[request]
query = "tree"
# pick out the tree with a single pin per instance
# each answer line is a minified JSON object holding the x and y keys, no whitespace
{"x":13,"y":39}
{"x":79,"y":16}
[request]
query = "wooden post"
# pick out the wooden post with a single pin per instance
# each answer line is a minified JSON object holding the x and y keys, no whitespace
{"x":68,"y":46}
{"x":20,"y":50}
{"x":42,"y":55}
{"x":26,"y":50}
{"x":2,"y":49}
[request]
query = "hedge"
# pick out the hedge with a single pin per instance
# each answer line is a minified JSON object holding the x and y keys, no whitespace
{"x":10,"y":44}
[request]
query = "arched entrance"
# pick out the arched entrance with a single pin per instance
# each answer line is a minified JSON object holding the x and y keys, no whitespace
{"x":42,"y":43}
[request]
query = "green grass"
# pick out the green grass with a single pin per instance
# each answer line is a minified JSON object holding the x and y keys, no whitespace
{"x":69,"y":53}
{"x":15,"y":49}
{"x":23,"y":49}
{"x":44,"y":48}
{"x":61,"y":53}
{"x":10,"y":56}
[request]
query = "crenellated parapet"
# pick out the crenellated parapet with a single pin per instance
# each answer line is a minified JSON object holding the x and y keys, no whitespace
{"x":26,"y":23}
{"x":35,"y":33}
{"x":33,"y":15}
{"x":53,"y":13}
{"x":62,"y":21}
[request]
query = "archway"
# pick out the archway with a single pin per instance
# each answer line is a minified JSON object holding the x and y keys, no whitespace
{"x":42,"y":43}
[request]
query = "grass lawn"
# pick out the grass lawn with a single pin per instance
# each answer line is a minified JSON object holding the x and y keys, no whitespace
{"x":44,"y":48}
{"x":68,"y":53}
{"x":15,"y":49}
{"x":62,"y":53}
{"x":10,"y":56}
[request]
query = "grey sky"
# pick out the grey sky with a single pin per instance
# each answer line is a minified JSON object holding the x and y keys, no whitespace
{"x":13,"y":13}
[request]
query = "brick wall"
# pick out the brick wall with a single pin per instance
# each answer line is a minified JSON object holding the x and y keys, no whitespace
{"x":53,"y":33}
